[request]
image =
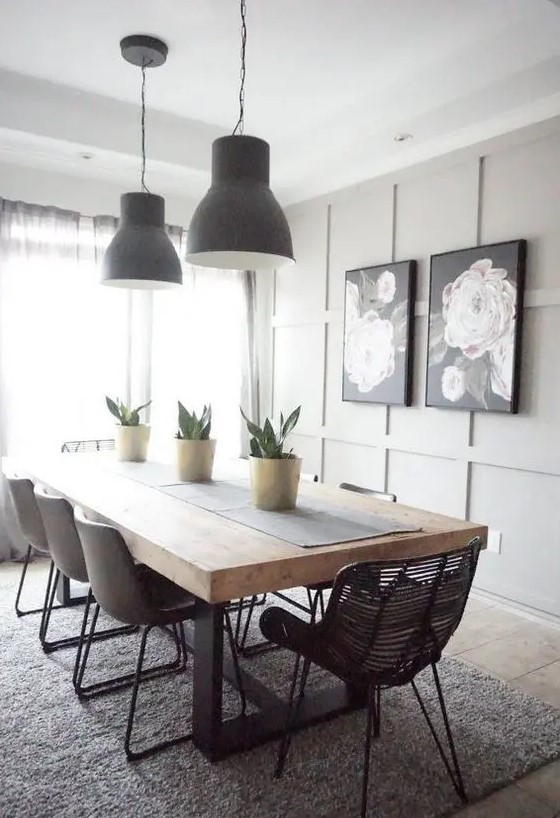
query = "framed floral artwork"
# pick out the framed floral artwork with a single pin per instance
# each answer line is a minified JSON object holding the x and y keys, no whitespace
{"x":474,"y":334}
{"x":378,"y":324}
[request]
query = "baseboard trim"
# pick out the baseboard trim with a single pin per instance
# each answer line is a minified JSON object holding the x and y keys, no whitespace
{"x":533,"y":614}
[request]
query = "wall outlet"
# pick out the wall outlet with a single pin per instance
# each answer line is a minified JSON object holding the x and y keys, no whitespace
{"x":494,"y":543}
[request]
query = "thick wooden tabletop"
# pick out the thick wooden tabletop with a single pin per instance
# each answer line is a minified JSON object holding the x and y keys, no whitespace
{"x":218,"y":559}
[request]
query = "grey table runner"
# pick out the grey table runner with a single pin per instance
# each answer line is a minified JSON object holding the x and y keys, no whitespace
{"x":154,"y":474}
{"x":312,"y":523}
{"x":150,"y":474}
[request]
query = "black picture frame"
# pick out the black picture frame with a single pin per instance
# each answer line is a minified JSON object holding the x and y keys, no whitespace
{"x":379,"y":319}
{"x":475,"y":323}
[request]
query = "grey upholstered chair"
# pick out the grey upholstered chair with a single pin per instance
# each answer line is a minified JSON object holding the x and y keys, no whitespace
{"x":67,"y":554}
{"x":136,"y":595}
{"x":80,"y":447}
{"x":31,"y":525}
{"x":385,"y":622}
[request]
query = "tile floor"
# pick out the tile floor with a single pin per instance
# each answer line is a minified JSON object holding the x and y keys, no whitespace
{"x":526,"y":654}
{"x":522,"y":651}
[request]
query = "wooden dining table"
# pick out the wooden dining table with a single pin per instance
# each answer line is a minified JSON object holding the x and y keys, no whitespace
{"x":219,"y":560}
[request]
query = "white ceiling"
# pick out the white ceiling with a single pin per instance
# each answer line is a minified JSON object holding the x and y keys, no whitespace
{"x":329,"y":84}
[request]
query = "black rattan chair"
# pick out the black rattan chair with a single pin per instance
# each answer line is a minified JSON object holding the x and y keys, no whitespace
{"x":136,"y":595}
{"x":384,"y":623}
{"x":76,"y":446}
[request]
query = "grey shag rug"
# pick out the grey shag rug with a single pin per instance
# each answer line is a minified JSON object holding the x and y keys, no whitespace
{"x":64,"y":758}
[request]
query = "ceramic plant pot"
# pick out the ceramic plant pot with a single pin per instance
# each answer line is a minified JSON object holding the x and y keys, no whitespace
{"x":195,"y":460}
{"x":131,"y":442}
{"x":274,"y":483}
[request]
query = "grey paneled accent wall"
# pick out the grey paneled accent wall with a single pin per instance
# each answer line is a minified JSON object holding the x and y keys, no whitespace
{"x":496,"y":469}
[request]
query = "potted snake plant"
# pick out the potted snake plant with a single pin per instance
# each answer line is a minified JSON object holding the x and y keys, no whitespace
{"x":131,"y":436}
{"x":274,"y":472}
{"x":195,"y":447}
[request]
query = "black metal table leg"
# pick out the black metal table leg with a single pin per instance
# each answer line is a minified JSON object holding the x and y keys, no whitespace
{"x":66,"y":592}
{"x":207,"y":678}
{"x":217,"y":737}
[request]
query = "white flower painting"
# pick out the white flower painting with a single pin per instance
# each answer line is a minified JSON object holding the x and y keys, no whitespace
{"x":377,"y":333}
{"x":474,"y":327}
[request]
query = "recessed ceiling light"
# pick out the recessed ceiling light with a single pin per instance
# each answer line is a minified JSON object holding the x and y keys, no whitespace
{"x":403,"y":137}
{"x":86,"y":155}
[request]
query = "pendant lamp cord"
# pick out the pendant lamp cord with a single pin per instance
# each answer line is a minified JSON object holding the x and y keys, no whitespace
{"x":143,"y":185}
{"x":241,"y":121}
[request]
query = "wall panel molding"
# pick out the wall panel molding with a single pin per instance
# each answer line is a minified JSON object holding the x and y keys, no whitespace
{"x":468,"y":455}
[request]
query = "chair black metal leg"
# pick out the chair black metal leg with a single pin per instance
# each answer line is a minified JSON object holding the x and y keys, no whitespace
{"x":455,"y":773}
{"x":127,"y":679}
{"x":250,"y":609}
{"x":322,"y":602}
{"x":132,"y":755}
{"x":377,"y":720}
{"x":77,"y":661}
{"x":183,"y":643}
{"x":310,"y":599}
{"x":293,"y":708}
{"x":46,"y":600}
{"x":20,"y":586}
{"x":25,"y":566}
{"x":313,"y":607}
{"x":235,"y":659}
{"x":51,"y":590}
{"x":240,"y":606}
{"x":371,"y":721}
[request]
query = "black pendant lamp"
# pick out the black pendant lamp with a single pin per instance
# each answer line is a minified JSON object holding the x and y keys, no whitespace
{"x":239,"y":225}
{"x":141,"y":255}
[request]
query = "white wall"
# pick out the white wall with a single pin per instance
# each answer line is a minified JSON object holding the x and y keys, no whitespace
{"x":500,"y":470}
{"x":90,"y":197}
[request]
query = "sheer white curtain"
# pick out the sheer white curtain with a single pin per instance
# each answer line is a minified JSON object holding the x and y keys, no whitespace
{"x":199,"y":355}
{"x":66,"y":342}
{"x":62,"y":337}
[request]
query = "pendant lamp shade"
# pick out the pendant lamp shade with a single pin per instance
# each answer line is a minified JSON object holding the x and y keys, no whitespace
{"x":239,"y":225}
{"x":141,"y":255}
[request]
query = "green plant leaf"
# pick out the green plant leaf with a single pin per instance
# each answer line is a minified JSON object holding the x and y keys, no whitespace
{"x":192,"y":427}
{"x":269,"y":442}
{"x":254,"y":447}
{"x":113,"y":408}
{"x":291,"y":422}
{"x":253,"y":429}
{"x":144,"y":406}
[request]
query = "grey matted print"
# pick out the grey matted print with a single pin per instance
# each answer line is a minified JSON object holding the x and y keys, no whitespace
{"x":378,"y":324}
{"x":474,"y":334}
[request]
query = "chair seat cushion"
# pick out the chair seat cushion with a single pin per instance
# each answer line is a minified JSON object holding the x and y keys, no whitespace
{"x":172,"y":603}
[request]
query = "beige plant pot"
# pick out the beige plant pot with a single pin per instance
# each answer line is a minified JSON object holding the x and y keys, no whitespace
{"x":131,"y":442}
{"x":195,"y":460}
{"x":274,"y":483}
